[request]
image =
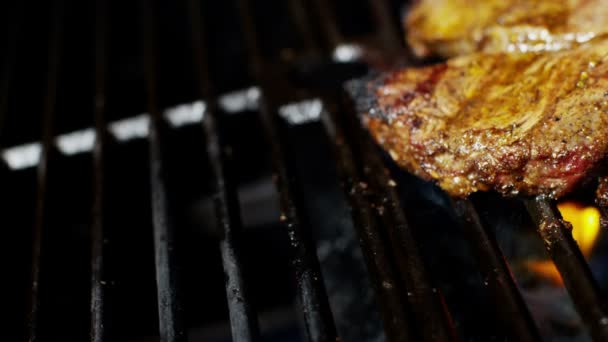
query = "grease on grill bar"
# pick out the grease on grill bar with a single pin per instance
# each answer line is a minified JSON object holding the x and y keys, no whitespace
{"x":390,"y":296}
{"x":243,"y":319}
{"x":98,"y":291}
{"x":181,"y":271}
{"x":313,"y":299}
{"x":171,"y":324}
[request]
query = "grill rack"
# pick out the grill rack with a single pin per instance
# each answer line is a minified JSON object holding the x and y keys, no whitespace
{"x":366,"y":183}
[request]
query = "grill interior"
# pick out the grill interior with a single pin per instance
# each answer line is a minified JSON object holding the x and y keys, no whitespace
{"x":192,"y":170}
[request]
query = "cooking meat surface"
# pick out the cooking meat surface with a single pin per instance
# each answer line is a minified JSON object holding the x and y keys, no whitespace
{"x":517,"y":123}
{"x":456,"y":27}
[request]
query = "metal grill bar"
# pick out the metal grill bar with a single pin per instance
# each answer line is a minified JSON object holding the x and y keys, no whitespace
{"x":54,"y":53}
{"x":570,"y":263}
{"x":243,"y":319}
{"x":384,"y":280}
{"x":426,"y":302}
{"x":169,"y":310}
{"x":311,"y":293}
{"x":508,"y":302}
{"x":97,"y":228}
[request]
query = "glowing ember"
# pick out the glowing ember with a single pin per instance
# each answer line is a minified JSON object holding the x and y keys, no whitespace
{"x":585,"y":230}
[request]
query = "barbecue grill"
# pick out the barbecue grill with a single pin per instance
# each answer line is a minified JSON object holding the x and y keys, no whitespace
{"x":108,"y":233}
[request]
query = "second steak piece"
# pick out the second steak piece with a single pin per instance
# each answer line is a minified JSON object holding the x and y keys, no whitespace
{"x":456,"y":27}
{"x":516,"y":123}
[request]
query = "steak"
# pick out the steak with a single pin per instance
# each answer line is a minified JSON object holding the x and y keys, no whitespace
{"x":456,"y":27}
{"x":523,"y":123}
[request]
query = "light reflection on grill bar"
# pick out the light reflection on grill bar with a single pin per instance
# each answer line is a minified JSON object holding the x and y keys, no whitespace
{"x":302,"y":112}
{"x":347,"y":53}
{"x":240,"y":100}
{"x":82,"y":141}
{"x":136,"y":127}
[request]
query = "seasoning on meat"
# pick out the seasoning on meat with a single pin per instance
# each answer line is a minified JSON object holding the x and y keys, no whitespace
{"x":455,"y":27}
{"x":516,"y":123}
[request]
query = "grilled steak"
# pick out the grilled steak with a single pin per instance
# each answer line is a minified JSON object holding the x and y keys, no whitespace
{"x":516,"y":123}
{"x":456,"y":27}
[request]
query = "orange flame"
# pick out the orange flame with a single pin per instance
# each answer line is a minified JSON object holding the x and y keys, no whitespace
{"x":585,"y":230}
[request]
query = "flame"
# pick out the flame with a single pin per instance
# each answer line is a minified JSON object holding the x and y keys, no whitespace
{"x":585,"y":230}
{"x":585,"y":222}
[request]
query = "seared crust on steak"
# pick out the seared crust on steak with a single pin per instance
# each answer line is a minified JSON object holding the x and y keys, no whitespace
{"x":516,"y":123}
{"x":456,"y":27}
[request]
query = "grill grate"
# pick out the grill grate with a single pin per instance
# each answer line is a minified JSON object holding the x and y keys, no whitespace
{"x":411,"y":305}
